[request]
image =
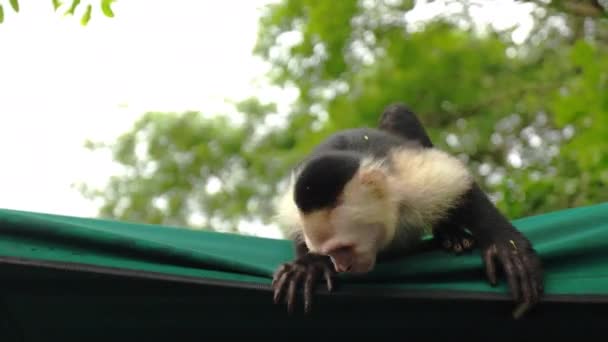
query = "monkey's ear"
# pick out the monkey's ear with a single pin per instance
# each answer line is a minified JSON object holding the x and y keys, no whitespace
{"x":374,"y":180}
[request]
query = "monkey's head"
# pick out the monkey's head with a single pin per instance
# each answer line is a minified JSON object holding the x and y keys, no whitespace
{"x":346,"y":209}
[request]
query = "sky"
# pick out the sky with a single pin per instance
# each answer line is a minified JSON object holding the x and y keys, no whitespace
{"x":62,"y":83}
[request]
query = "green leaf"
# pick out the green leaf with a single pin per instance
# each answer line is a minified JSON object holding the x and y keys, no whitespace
{"x":14,"y":5}
{"x":56,"y":4}
{"x":582,"y":53}
{"x":1,"y":14}
{"x":106,"y":9}
{"x":73,"y":6}
{"x":86,"y":16}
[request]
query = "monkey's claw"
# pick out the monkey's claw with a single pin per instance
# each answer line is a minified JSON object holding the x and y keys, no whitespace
{"x":522,"y":268}
{"x":303,"y":272}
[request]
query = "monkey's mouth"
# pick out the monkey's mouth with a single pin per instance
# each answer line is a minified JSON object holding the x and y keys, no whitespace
{"x":358,"y":268}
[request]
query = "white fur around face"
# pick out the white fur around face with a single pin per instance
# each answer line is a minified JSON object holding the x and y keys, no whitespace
{"x":426,"y":183}
{"x":287,"y":213}
{"x":404,"y":197}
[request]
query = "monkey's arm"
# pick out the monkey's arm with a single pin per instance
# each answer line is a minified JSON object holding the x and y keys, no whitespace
{"x":304,"y":271}
{"x":500,"y":240}
{"x":496,"y":236}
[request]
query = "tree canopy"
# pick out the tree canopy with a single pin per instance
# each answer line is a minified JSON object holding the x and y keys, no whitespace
{"x":529,"y":115}
{"x":72,"y":7}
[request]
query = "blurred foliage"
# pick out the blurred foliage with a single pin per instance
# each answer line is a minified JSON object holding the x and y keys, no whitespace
{"x":71,"y":8}
{"x":182,"y":164}
{"x":530,"y":117}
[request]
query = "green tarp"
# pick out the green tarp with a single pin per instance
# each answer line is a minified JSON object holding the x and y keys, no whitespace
{"x":68,"y":278}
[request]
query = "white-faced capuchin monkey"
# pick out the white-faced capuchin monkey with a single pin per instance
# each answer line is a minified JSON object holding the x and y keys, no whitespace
{"x":364,"y":193}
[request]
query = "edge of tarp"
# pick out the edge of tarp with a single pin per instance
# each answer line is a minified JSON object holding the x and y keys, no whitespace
{"x":68,"y":229}
{"x":262,"y":281}
{"x":370,"y":291}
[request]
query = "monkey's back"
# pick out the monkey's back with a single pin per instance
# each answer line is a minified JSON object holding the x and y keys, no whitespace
{"x":366,"y":141}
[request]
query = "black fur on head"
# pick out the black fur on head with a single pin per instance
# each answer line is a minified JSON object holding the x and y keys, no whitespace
{"x":323,"y":178}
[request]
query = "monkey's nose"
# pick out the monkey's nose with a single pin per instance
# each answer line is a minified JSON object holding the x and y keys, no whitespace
{"x":342,"y":268}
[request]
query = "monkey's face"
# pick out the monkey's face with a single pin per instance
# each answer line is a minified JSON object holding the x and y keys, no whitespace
{"x":352,"y":246}
{"x":356,"y":229}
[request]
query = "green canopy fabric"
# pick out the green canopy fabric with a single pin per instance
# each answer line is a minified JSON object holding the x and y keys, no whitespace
{"x":69,"y":278}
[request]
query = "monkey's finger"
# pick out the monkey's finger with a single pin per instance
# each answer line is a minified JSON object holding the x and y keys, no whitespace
{"x":520,"y":310}
{"x":511,"y":273}
{"x":328,"y":278}
{"x":291,"y":294}
{"x":488,"y":259}
{"x":539,"y":283}
{"x":467,"y":243}
{"x":536,"y":293}
{"x":536,"y":272}
{"x":277,"y":275}
{"x":311,"y":278}
{"x":535,"y":281}
{"x":533,"y":277}
{"x":280,"y":286}
{"x":457,"y":247}
{"x":524,"y":280}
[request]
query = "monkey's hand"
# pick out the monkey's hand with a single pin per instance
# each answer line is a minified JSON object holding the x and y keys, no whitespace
{"x":304,"y":271}
{"x":454,"y":239}
{"x":522,"y":267}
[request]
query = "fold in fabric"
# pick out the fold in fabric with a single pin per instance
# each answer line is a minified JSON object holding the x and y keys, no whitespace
{"x":572,"y":243}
